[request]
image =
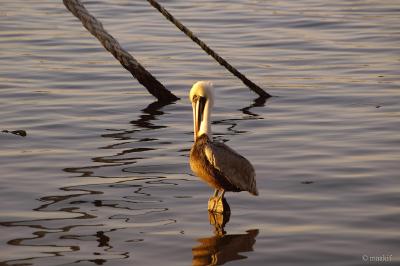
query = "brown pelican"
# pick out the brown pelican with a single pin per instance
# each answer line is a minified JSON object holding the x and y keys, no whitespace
{"x":214,"y":162}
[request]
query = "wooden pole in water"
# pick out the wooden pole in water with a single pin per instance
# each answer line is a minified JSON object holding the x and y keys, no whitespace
{"x":209,"y":51}
{"x":127,"y":61}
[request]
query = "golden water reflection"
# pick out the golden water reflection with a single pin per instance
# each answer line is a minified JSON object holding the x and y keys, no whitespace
{"x":221,"y":247}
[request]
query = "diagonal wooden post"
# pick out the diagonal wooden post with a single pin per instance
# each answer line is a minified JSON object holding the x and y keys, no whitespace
{"x":127,"y":61}
{"x":209,"y":51}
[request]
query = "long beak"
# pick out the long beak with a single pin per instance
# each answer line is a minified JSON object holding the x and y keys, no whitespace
{"x":198,"y":109}
{"x":195,"y":107}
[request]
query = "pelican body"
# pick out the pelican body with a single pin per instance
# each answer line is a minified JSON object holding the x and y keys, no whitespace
{"x":214,"y":162}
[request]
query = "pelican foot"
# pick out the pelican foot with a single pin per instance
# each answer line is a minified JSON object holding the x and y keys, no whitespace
{"x":218,"y":205}
{"x":212,"y":203}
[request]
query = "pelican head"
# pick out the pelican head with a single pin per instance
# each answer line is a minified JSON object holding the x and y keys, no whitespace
{"x":202,"y":99}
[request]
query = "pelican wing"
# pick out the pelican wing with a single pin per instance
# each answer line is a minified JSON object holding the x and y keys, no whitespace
{"x":234,"y":167}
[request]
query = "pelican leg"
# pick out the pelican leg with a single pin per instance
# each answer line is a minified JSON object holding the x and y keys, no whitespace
{"x":216,"y":203}
{"x":212,"y":202}
{"x":216,"y":192}
{"x":222,"y":195}
{"x":219,"y":207}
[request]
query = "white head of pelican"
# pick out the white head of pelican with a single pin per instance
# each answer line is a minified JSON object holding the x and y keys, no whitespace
{"x":214,"y":162}
{"x":202,"y":98}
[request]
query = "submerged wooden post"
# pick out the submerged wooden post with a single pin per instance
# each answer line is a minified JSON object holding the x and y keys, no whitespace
{"x":209,"y":51}
{"x":127,"y":61}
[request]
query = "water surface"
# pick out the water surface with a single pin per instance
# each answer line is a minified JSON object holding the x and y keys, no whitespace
{"x":102,"y":176}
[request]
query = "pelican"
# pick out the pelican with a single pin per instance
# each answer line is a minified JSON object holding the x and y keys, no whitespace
{"x":214,"y":162}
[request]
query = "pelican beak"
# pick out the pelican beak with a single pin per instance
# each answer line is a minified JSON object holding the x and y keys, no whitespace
{"x":198,"y":109}
{"x":195,"y":120}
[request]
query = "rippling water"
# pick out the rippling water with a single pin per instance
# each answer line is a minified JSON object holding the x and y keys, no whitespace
{"x":102,"y":176}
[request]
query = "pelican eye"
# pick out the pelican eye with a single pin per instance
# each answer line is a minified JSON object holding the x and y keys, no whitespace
{"x":195,"y":98}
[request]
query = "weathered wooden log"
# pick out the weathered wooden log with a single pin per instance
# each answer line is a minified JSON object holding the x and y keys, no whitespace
{"x":209,"y":51}
{"x":111,"y":44}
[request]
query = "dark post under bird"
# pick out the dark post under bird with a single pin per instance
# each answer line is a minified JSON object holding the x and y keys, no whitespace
{"x":214,"y":162}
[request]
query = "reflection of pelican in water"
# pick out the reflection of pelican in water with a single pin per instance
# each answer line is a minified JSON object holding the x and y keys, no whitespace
{"x":220,"y":249}
{"x":217,"y":164}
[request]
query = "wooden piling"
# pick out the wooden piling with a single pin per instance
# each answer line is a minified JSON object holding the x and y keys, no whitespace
{"x":111,"y":44}
{"x":251,"y":85}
